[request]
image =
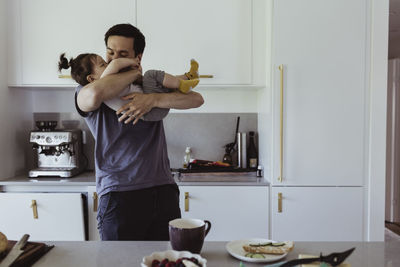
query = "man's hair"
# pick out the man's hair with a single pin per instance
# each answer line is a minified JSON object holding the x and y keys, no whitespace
{"x":128,"y":30}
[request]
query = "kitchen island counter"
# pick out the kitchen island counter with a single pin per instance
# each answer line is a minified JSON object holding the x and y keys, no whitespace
{"x":130,"y":253}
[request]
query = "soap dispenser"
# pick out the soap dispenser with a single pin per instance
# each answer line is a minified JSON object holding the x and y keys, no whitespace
{"x":187,"y":157}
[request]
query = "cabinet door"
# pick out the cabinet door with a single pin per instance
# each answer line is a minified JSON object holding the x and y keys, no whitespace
{"x":235,"y":212}
{"x":43,"y":29}
{"x":218,"y":34}
{"x":59,"y":216}
{"x":317,"y":213}
{"x":93,"y":201}
{"x":322,"y":46}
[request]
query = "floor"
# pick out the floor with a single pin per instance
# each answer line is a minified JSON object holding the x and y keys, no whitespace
{"x":391,"y":236}
{"x":394,"y":227}
{"x":392,"y":248}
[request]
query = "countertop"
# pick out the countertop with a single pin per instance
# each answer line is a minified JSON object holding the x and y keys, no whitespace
{"x":88,"y":179}
{"x":130,"y":253}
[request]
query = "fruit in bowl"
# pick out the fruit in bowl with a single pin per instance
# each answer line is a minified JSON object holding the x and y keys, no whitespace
{"x":173,"y":258}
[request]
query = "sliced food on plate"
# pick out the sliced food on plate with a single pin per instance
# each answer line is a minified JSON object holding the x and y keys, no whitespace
{"x":255,"y":250}
{"x":259,"y":249}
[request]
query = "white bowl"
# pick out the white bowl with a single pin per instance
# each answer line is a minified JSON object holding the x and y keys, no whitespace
{"x":171,"y":255}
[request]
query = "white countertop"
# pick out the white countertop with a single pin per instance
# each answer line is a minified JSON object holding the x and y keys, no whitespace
{"x":130,"y":253}
{"x":88,"y":179}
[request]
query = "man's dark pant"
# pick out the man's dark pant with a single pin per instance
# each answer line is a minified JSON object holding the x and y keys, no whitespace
{"x":139,"y":214}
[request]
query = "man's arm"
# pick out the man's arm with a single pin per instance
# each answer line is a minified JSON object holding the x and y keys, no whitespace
{"x":93,"y":94}
{"x":140,"y":104}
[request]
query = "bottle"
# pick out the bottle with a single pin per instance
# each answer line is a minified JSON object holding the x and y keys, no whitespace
{"x":252,"y":153}
{"x":186,"y":158}
{"x":242,"y":148}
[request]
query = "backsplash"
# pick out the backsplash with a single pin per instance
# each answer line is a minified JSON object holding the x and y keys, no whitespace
{"x":205,"y":133}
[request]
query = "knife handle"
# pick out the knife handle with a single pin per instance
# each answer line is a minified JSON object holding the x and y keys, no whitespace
{"x":22,"y":242}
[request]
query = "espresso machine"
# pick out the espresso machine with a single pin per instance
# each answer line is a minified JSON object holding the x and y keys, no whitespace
{"x":56,"y":152}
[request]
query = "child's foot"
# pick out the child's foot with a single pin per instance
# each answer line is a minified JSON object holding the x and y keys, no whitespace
{"x":186,"y":85}
{"x":194,"y":70}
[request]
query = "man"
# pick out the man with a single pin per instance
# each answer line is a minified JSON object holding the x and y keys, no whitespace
{"x":138,"y":196}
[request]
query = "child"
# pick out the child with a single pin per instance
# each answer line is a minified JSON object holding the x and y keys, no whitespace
{"x":87,"y":68}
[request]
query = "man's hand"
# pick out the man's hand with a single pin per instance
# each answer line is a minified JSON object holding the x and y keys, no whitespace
{"x":139,"y":105}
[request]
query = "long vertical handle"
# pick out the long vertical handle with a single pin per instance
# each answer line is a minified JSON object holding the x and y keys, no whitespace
{"x":186,"y":201}
{"x":34,"y":208}
{"x":95,"y":201}
{"x":280,"y":178}
{"x":279,"y":202}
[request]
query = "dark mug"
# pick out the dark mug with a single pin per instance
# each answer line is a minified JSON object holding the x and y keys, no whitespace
{"x":188,"y":234}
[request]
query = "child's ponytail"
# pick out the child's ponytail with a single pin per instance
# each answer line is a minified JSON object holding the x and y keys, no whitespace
{"x":63,"y":62}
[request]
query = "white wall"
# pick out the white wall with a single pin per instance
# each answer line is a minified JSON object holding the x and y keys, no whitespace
{"x":375,"y":195}
{"x":14,"y":113}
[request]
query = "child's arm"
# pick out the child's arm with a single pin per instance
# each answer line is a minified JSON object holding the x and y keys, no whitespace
{"x":118,"y":64}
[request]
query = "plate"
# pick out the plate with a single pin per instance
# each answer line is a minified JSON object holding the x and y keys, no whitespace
{"x":235,"y":248}
{"x":171,"y":255}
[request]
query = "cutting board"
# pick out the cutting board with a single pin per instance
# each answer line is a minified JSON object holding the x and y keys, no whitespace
{"x":32,"y":252}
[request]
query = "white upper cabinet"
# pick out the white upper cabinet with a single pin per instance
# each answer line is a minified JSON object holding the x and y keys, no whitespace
{"x":223,"y":36}
{"x":40,"y":30}
{"x":322,"y":46}
{"x":228,"y":38}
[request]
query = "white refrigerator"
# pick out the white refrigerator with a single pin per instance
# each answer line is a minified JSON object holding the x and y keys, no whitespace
{"x":392,"y":211}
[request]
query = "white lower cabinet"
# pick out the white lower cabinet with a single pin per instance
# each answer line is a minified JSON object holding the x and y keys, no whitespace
{"x":317,"y":213}
{"x":93,"y":201}
{"x":235,"y":212}
{"x":44,"y":216}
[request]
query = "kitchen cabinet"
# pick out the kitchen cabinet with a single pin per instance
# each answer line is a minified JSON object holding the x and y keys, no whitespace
{"x":222,"y":36}
{"x":45,"y":216}
{"x":317,"y":213}
{"x":93,"y":204}
{"x":324,"y":92}
{"x":319,"y":119}
{"x":39,"y":31}
{"x":235,"y":212}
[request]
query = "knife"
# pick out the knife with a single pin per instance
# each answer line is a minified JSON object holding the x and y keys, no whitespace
{"x":333,"y":259}
{"x":15,"y":252}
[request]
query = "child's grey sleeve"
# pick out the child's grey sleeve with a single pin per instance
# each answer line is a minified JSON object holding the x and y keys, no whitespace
{"x":152,"y":82}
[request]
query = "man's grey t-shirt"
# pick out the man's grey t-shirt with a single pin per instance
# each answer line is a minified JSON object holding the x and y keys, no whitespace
{"x":127,"y":157}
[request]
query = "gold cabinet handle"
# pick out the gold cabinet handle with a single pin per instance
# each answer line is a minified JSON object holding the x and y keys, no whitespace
{"x":206,"y":76}
{"x":186,"y":201}
{"x":34,"y":208}
{"x":62,"y":76}
{"x":95,"y":201}
{"x":279,"y":202}
{"x":280,"y":178}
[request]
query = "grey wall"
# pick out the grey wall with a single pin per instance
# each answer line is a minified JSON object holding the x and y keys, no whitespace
{"x":206,"y":133}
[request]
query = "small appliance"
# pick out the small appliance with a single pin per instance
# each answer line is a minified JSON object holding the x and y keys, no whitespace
{"x":56,"y":152}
